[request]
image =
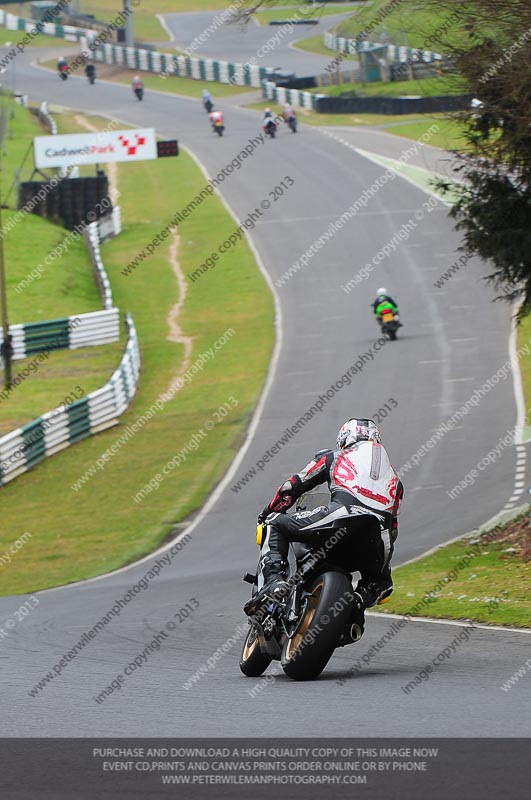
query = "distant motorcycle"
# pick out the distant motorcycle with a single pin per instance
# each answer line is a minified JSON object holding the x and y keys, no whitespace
{"x":390,"y":323}
{"x":139,"y":91}
{"x":270,"y":127}
{"x":218,"y":127}
{"x":63,"y":72}
{"x":91,"y":74}
{"x":292,"y":123}
{"x":209,"y":105}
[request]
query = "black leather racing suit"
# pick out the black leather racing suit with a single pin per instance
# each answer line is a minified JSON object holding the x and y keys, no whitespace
{"x":365,"y":497}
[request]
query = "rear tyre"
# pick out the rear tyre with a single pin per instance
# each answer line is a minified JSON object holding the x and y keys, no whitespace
{"x":252,"y":662}
{"x":307,"y":652}
{"x":392,"y":335}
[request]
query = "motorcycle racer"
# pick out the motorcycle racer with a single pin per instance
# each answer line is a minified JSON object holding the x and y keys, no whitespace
{"x":383,"y":303}
{"x":365,"y":497}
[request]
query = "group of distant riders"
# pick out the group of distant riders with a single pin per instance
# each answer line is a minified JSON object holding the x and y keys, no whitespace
{"x":269,"y":123}
{"x":90,"y":71}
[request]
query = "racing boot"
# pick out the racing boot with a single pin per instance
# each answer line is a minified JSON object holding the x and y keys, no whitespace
{"x":273,"y":567}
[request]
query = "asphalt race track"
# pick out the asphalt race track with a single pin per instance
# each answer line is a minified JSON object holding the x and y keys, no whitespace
{"x":454,"y":339}
{"x":272,"y":43}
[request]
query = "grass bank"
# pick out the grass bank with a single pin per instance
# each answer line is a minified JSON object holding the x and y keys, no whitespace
{"x":460,"y":580}
{"x":48,"y":276}
{"x":314,"y":44}
{"x":99,"y":527}
{"x":421,"y":87}
{"x":407,"y":24}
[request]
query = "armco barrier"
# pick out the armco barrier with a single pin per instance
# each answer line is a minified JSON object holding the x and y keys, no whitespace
{"x":27,"y":446}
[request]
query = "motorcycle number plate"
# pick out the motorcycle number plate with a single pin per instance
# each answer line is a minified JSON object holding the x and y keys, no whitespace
{"x":387,"y":317}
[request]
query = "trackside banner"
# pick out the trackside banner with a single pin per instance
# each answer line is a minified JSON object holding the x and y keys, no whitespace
{"x":94,"y":148}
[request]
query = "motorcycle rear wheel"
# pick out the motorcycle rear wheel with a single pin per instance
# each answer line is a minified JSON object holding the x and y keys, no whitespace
{"x":253,"y":662}
{"x":309,"y":649}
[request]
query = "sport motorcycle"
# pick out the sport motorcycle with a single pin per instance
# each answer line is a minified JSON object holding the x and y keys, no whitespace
{"x":303,"y":631}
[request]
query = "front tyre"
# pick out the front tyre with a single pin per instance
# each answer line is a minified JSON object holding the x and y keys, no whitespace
{"x":252,"y":662}
{"x":307,"y":652}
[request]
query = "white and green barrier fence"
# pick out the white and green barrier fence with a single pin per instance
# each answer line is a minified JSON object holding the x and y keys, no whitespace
{"x":296,"y":97}
{"x":92,"y":240}
{"x":46,"y":117}
{"x":393,"y":53}
{"x":33,"y":27}
{"x":82,"y":330}
{"x":204,"y":69}
{"x":30,"y":444}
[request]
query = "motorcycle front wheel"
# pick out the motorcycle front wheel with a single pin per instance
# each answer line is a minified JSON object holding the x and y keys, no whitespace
{"x":326,"y":613}
{"x":252,"y":662}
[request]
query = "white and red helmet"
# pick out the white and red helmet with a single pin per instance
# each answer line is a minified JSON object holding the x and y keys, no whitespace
{"x":357,"y":430}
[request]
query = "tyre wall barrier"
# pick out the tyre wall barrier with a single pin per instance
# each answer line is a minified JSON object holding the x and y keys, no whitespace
{"x":369,"y":105}
{"x":391,"y":105}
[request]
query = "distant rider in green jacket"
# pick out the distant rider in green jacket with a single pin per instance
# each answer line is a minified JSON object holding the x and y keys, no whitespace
{"x":384,"y":302}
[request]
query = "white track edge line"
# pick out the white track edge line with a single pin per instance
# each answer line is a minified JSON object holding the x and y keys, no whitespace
{"x":460,"y":623}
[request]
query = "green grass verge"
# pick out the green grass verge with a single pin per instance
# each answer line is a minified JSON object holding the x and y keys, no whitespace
{"x":61,"y":285}
{"x":494,"y":570}
{"x":408,"y":24}
{"x":423,"y":87}
{"x":314,"y":44}
{"x":105,"y":9}
{"x":524,"y":337}
{"x":147,"y":27}
{"x":410,"y":126}
{"x":313,"y":118}
{"x":13,"y":37}
{"x":448,"y":137}
{"x":186,"y":87}
{"x":79,"y":534}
